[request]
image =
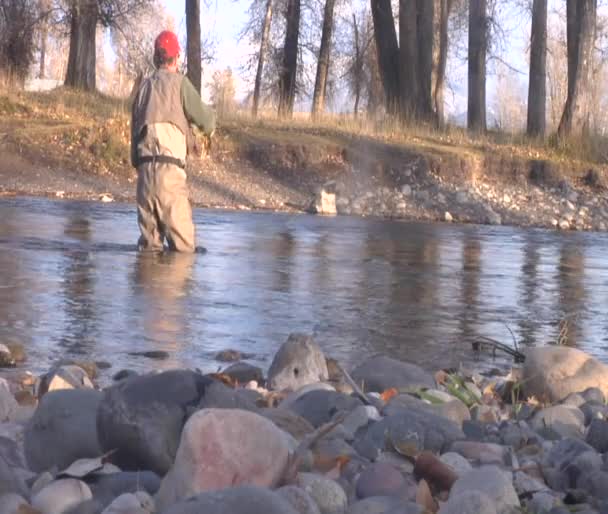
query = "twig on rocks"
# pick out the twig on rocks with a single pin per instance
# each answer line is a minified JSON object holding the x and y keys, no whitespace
{"x":367,"y":400}
{"x":295,"y":459}
{"x":497,"y":345}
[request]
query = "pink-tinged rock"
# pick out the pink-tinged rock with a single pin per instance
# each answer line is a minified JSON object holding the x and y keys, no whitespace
{"x":222,"y":448}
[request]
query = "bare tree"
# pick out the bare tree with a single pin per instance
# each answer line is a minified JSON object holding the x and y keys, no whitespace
{"x":388,"y":52}
{"x":581,"y":29}
{"x":408,"y":57}
{"x":445,"y":7}
{"x":478,"y":47}
{"x":223,"y":92}
{"x":261,"y":58}
{"x":318,"y":102}
{"x":289,"y":72}
{"x":537,"y":90}
{"x":193,"y":42}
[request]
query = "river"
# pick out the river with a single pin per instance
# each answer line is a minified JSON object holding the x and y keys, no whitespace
{"x":72,"y":285}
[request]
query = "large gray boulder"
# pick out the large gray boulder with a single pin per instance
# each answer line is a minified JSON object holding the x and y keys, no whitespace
{"x":221,"y":448}
{"x":236,"y":500}
{"x":551,"y":373}
{"x":142,"y":418}
{"x":379,"y":373}
{"x":298,"y":362}
{"x":63,"y":429}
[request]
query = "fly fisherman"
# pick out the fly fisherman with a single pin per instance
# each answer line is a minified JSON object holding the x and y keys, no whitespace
{"x":165,"y":106}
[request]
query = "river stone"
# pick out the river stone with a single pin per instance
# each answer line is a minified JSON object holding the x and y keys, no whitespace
{"x":11,"y":480}
{"x":13,"y":504}
{"x":299,"y":499}
{"x":327,"y":494}
{"x":298,"y":362}
{"x":293,"y":396}
{"x":559,"y":421}
{"x":107,"y":487}
{"x":380,"y":480}
{"x":457,"y":462}
{"x":319,"y":407}
{"x":379,"y":373}
{"x":595,"y":484}
{"x":469,"y":502}
{"x":131,"y":503}
{"x":62,"y":429}
{"x":219,"y":396}
{"x":597,"y":435}
{"x":593,"y":394}
{"x":142,"y":418}
{"x":454,"y":410}
{"x":288,"y":421}
{"x":491,"y":481}
{"x":411,"y":431}
{"x":8,"y":404}
{"x":481,"y":453}
{"x":6,"y":357}
{"x":550,"y":373}
{"x":60,"y":496}
{"x":222,"y":448}
{"x":384,"y":505}
{"x":244,"y":373}
{"x":236,"y":500}
{"x":64,"y":377}
{"x":593,"y":410}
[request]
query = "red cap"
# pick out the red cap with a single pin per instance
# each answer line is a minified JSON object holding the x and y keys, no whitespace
{"x":168,"y":42}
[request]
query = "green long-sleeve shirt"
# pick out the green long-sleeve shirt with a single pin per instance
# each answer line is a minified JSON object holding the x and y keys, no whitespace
{"x":195,"y":110}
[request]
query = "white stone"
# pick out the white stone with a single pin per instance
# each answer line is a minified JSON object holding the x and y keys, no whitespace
{"x":60,"y":496}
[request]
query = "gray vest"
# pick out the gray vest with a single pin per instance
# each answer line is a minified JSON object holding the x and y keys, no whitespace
{"x":159,"y":101}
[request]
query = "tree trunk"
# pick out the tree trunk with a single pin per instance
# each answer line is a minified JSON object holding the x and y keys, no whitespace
{"x":408,"y":58}
{"x":318,"y":100}
{"x":261,"y":58}
{"x":43,"y":42}
{"x":537,"y":90}
{"x":193,"y":44}
{"x":387,"y":48}
{"x":478,"y":46}
{"x":582,"y":17}
{"x":82,"y":57}
{"x":442,"y":61}
{"x":358,"y":67}
{"x":287,"y":84}
{"x":425,"y":33}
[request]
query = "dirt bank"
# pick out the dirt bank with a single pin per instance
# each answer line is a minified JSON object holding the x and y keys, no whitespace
{"x":72,"y":146}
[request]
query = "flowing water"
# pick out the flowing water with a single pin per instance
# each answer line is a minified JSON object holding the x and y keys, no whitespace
{"x":72,"y":285}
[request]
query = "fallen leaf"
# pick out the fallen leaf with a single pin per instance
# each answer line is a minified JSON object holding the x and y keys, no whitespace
{"x":388,"y":394}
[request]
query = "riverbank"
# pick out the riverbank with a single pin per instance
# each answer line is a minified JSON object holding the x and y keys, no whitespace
{"x":68,"y":145}
{"x":305,"y":437}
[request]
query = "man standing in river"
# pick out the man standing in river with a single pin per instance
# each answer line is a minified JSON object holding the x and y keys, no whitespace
{"x":164,"y":107}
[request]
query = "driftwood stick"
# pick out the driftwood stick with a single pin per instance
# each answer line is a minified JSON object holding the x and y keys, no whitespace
{"x":367,"y":400}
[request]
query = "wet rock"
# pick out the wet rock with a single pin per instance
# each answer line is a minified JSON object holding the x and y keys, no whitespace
{"x":593,"y":410}
{"x":595,"y":484}
{"x":457,"y":462}
{"x":298,"y":362}
{"x":236,"y":500}
{"x":293,"y":396}
{"x":594,"y":394}
{"x":469,"y":502}
{"x":319,"y":407}
{"x":358,"y":418}
{"x":553,"y":372}
{"x":131,"y":503}
{"x":482,"y":453}
{"x":219,"y":396}
{"x":299,"y":499}
{"x":223,"y":448}
{"x":410,"y":431}
{"x":517,"y":434}
{"x":13,"y":504}
{"x":289,"y":422}
{"x":90,"y":367}
{"x":567,"y":461}
{"x":63,"y":429}
{"x":491,"y":481}
{"x":384,"y":505}
{"x":64,"y":377}
{"x":597,"y":435}
{"x":17,"y":351}
{"x":142,"y":418}
{"x":124,"y":374}
{"x":107,"y":487}
{"x":381,"y":480}
{"x":243,"y":373}
{"x":6,"y":357}
{"x":8,"y":404}
{"x":327,"y":494}
{"x":380,"y":373}
{"x":60,"y":496}
{"x":559,"y":421}
{"x":231,"y":356}
{"x":157,"y":355}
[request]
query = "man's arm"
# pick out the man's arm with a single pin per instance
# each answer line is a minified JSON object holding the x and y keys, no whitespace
{"x":196,"y":111}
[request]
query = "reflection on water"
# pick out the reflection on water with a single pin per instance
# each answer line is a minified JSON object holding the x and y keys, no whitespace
{"x":72,"y":284}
